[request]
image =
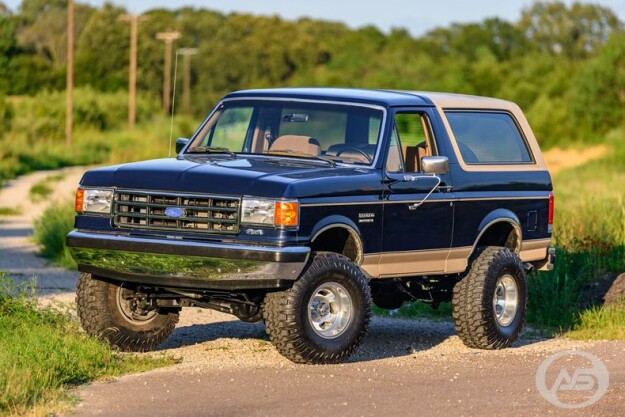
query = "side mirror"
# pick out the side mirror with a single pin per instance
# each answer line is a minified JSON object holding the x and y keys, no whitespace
{"x":437,"y":165}
{"x":181,"y":143}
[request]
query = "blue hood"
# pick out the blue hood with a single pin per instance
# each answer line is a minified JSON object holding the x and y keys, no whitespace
{"x":250,"y":176}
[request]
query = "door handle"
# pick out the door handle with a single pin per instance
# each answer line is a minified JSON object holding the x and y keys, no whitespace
{"x":444,"y":188}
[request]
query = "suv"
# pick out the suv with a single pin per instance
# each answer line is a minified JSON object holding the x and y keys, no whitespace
{"x":302,"y":207}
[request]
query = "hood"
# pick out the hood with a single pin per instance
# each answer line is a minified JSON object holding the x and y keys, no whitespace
{"x":250,"y":176}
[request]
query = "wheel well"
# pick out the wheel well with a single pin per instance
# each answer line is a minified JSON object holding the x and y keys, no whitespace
{"x":501,"y":233}
{"x":339,"y":240}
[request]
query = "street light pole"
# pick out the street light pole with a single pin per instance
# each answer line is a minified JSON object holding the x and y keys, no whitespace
{"x":132,"y":75}
{"x":168,"y":38}
{"x":186,"y":88}
{"x":69,"y":81}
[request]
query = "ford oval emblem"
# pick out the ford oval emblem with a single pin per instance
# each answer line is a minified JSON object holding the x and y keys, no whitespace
{"x":174,"y":212}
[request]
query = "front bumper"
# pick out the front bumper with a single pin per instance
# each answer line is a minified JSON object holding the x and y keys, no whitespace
{"x":186,"y":264}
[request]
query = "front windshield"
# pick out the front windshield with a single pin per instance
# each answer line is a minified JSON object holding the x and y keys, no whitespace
{"x":337,"y":133}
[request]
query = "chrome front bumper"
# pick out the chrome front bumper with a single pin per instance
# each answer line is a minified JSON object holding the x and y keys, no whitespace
{"x":181,"y":263}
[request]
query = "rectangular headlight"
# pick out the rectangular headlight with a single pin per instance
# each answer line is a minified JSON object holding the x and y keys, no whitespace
{"x":94,"y":200}
{"x":270,"y":212}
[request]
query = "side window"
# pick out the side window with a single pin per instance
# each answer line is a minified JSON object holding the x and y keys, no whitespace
{"x":488,"y":137}
{"x":411,"y":141}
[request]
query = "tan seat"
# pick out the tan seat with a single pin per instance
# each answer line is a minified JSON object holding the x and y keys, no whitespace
{"x":297,"y":143}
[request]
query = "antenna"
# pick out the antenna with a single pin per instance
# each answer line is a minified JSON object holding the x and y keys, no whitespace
{"x":173,"y":105}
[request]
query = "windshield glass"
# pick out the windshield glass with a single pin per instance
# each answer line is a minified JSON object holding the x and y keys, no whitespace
{"x":337,"y":133}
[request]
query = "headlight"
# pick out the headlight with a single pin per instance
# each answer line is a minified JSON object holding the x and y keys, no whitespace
{"x":94,"y":200}
{"x":270,"y":212}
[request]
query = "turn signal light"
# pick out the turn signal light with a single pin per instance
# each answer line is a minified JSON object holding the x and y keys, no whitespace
{"x":286,"y":213}
{"x":80,"y":200}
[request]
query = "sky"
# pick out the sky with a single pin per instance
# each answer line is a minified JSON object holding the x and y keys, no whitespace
{"x":418,"y":16}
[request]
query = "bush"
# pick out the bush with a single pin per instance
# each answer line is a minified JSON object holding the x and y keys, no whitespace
{"x":50,"y":232}
{"x":43,"y":116}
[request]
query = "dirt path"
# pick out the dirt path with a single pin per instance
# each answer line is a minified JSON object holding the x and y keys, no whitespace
{"x":558,"y":159}
{"x":17,"y":250}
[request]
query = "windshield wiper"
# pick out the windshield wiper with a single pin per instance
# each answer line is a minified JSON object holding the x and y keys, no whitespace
{"x":289,"y":152}
{"x":212,"y":149}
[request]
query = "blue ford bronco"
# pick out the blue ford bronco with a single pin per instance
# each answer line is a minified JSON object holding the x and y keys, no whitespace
{"x":301,"y":207}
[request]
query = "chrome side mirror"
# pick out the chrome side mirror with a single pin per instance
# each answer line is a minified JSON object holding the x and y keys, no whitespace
{"x":437,"y":165}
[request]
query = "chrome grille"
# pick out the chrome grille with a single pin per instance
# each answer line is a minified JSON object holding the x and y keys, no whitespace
{"x":198,"y":213}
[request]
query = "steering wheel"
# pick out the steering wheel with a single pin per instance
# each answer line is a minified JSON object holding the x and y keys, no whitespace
{"x":354,"y":149}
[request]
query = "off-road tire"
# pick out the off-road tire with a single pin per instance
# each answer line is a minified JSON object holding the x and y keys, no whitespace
{"x":473,"y":309}
{"x":287,"y":316}
{"x":100,"y":317}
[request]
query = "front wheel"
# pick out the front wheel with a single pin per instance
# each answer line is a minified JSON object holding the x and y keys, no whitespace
{"x":489,"y":303}
{"x":324,"y":317}
{"x":122,"y":317}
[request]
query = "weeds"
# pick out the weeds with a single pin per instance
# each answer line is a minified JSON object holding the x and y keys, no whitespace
{"x":51,"y":230}
{"x":10,"y":211}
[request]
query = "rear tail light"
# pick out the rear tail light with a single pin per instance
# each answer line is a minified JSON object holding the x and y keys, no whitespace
{"x":551,"y":213}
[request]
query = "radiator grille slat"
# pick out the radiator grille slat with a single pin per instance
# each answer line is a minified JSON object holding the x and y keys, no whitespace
{"x":200,"y":213}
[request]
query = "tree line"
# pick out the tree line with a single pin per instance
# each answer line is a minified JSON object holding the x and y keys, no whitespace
{"x":564,"y":65}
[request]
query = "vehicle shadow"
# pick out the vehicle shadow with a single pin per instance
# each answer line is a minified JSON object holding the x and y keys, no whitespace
{"x":387,"y":337}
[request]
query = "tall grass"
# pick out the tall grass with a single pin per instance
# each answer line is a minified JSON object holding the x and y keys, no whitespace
{"x":50,"y":232}
{"x":44,"y":352}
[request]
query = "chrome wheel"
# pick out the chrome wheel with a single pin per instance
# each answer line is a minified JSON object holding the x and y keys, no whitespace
{"x":132,"y":308}
{"x":330,"y":310}
{"x":505,"y":300}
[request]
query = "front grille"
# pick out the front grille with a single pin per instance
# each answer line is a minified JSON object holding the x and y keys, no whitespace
{"x":193,"y":213}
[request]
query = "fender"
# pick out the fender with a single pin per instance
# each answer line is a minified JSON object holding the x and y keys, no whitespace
{"x":338,"y":221}
{"x":497,"y":216}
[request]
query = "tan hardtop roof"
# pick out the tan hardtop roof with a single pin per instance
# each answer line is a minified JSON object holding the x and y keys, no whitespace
{"x":450,"y":100}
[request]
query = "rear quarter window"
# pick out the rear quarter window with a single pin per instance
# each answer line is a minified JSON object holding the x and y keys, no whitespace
{"x":488,"y":137}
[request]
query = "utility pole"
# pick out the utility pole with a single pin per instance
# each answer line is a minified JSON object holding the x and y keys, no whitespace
{"x":186,"y":87}
{"x":168,"y":38}
{"x":69,"y":108}
{"x":132,"y":76}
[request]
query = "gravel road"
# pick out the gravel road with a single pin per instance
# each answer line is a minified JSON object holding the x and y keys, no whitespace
{"x":17,"y":251}
{"x":228,"y":368}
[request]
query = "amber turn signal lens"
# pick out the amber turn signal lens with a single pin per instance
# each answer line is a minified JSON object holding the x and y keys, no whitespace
{"x":80,"y":199}
{"x":286,"y":213}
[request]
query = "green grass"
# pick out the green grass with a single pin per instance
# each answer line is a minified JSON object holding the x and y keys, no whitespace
{"x":44,"y":188}
{"x":605,"y":323}
{"x":44,"y":353}
{"x":10,"y":211}
{"x":40,"y":191}
{"x":50,"y":232}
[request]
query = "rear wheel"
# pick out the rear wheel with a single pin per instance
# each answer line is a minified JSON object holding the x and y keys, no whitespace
{"x":121,"y":316}
{"x":489,"y":303}
{"x":324,"y":317}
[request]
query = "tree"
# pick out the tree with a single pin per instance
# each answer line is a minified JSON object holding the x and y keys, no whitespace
{"x":102,"y":51}
{"x":574,"y":32}
{"x":599,"y":100}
